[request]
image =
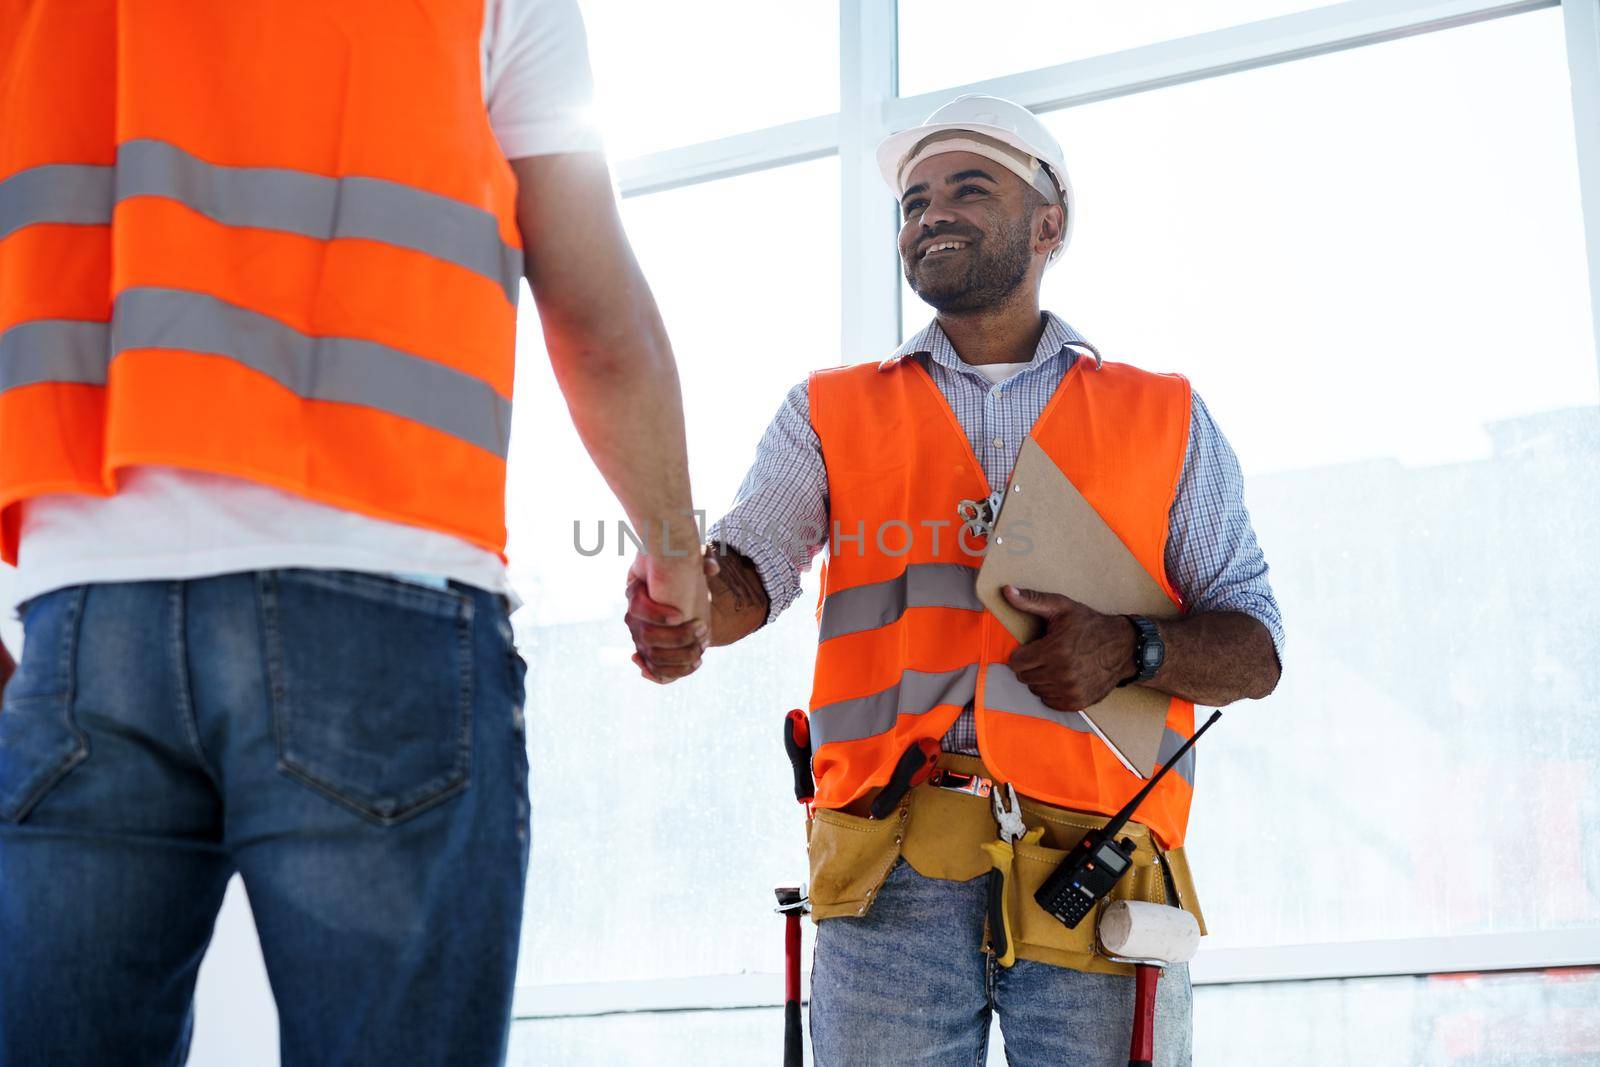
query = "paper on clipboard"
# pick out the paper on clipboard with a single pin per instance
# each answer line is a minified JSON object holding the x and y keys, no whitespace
{"x":1071,"y":551}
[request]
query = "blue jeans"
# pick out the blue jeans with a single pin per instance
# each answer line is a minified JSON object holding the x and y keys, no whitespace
{"x":909,"y":983}
{"x":352,"y":745}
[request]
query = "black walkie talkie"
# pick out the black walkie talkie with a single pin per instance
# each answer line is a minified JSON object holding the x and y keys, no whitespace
{"x":1091,"y":870}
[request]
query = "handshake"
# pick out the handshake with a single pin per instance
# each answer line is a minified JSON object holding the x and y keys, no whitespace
{"x":669,"y":616}
{"x":678,"y":606}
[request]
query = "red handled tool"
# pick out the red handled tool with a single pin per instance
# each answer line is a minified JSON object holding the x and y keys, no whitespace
{"x":797,"y":743}
{"x":1141,"y":1053}
{"x":791,"y":905}
{"x":1150,"y":936}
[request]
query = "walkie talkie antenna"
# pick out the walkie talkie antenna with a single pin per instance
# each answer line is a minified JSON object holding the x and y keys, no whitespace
{"x":1120,"y":818}
{"x":1093,"y":868}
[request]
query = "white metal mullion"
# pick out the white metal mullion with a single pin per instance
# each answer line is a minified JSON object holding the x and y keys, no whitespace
{"x":1225,"y":51}
{"x":1582,"y":21}
{"x":870,"y":271}
{"x":726,"y":157}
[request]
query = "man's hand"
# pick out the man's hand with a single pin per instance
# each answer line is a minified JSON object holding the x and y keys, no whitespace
{"x":667,"y":641}
{"x":8,"y":667}
{"x":675,"y":582}
{"x":1080,"y":657}
{"x":668,"y":646}
{"x":1213,"y":657}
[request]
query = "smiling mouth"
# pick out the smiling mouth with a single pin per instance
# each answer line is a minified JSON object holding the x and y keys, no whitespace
{"x":943,"y":248}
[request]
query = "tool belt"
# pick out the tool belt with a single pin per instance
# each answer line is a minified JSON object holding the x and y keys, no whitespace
{"x":941,"y":833}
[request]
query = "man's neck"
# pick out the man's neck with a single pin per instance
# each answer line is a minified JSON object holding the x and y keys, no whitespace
{"x":1006,"y":334}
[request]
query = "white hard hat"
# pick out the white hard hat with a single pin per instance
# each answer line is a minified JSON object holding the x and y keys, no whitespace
{"x":994,"y":120}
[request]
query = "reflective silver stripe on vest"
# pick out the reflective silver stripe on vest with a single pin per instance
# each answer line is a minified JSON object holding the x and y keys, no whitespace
{"x":1004,"y":691}
{"x":339,"y":369}
{"x":54,"y":350}
{"x":57,"y":192}
{"x":1171,"y":741}
{"x":292,"y":201}
{"x":922,"y":585}
{"x":268,"y":198}
{"x":868,"y":716}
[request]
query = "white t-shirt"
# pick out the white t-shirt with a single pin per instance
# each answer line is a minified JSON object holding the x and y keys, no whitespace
{"x":998,"y":372}
{"x":170,"y":523}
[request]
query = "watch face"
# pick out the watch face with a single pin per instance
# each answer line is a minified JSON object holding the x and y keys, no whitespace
{"x":1152,"y":655}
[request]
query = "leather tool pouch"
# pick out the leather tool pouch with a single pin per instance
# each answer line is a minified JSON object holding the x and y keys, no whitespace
{"x":850,"y":858}
{"x":941,"y":834}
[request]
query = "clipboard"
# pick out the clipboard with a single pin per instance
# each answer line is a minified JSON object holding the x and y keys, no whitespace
{"x":1049,"y":538}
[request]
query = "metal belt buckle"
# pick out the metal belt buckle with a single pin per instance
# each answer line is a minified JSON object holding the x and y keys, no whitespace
{"x":972,"y":784}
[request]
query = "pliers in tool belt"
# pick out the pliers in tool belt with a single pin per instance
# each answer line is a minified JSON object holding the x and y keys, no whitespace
{"x":1007,"y":813}
{"x":1002,"y":855}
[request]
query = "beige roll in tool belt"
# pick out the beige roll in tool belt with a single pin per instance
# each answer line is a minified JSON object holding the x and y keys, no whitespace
{"x":942,"y":832}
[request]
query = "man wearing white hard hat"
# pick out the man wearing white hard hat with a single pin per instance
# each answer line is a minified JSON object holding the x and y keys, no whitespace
{"x":923,"y":706}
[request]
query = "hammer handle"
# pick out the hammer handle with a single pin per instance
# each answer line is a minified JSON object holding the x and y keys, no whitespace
{"x":1142,"y":1051}
{"x":793,"y":1035}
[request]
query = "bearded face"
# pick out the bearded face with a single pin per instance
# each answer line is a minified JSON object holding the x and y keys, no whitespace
{"x":966,"y":240}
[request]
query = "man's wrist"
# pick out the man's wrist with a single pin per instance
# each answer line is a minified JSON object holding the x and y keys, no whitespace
{"x":773,"y":571}
{"x":675,"y":541}
{"x":1147,"y":650}
{"x":740,"y":604}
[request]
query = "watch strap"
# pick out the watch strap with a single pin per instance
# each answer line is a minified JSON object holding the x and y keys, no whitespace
{"x":1149,"y":651}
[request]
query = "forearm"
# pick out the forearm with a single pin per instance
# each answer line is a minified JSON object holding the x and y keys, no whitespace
{"x":606,"y":343}
{"x":621,"y":386}
{"x":739,"y":602}
{"x":1215,"y":658}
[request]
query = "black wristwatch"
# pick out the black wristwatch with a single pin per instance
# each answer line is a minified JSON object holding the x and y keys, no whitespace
{"x":1149,"y":651}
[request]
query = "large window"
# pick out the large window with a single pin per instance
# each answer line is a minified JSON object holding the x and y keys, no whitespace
{"x":1371,"y":265}
{"x":1360,"y":230}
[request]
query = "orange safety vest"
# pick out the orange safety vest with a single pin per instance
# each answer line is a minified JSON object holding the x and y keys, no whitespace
{"x":271,"y":240}
{"x":904,"y":642}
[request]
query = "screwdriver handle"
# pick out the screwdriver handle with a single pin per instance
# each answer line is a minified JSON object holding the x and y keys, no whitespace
{"x":797,"y":743}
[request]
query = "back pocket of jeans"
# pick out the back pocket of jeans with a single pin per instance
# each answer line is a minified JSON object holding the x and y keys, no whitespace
{"x":371,"y":684}
{"x":38,"y":746}
{"x":39,"y":743}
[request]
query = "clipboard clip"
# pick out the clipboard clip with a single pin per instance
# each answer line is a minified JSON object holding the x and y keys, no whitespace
{"x":978,"y":516}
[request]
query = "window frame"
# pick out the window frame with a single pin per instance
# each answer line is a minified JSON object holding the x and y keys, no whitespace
{"x":870,"y":108}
